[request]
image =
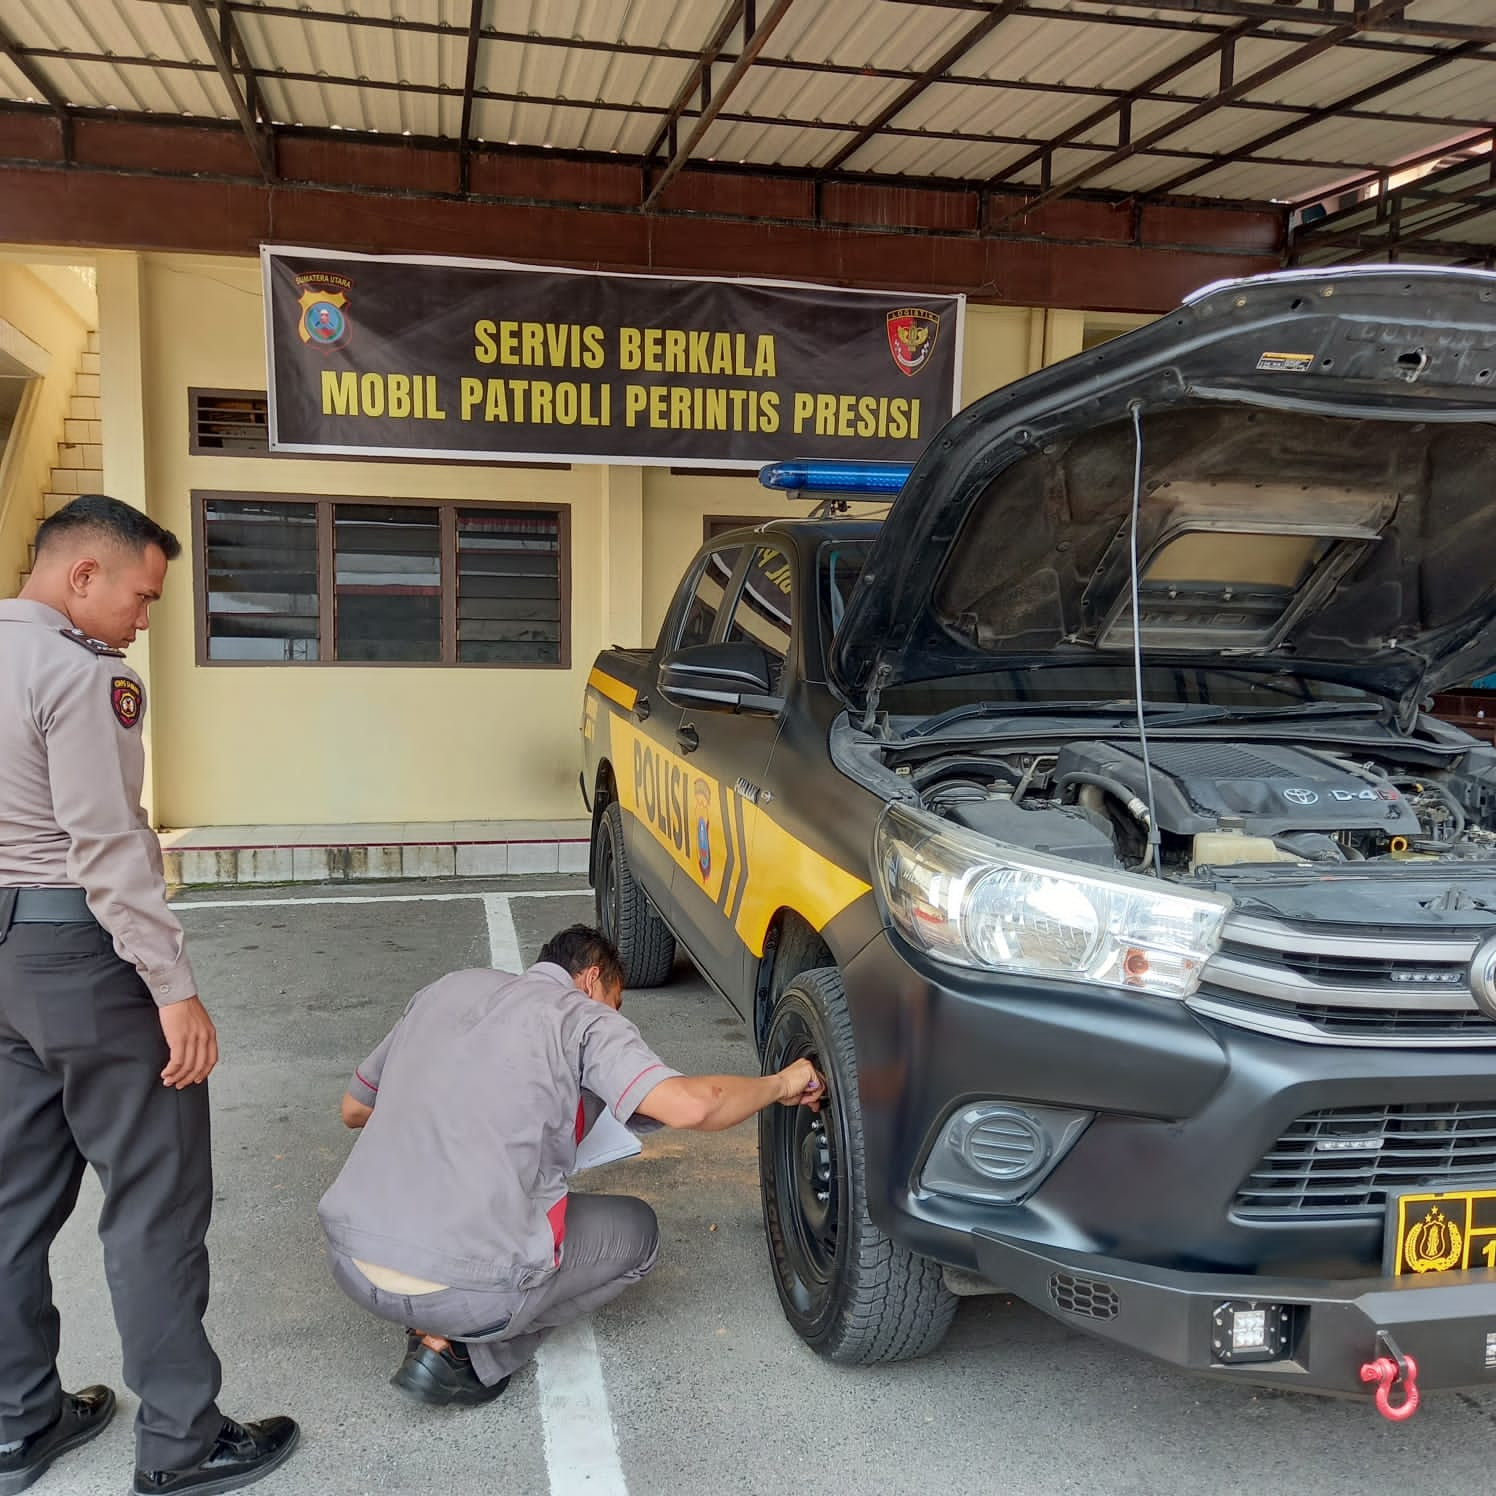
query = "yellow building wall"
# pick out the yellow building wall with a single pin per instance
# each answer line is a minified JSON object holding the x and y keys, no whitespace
{"x":57,"y":317}
{"x":246,"y":745}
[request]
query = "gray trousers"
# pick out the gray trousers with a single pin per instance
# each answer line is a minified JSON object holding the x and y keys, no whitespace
{"x":81,"y":1055}
{"x":611,"y":1242}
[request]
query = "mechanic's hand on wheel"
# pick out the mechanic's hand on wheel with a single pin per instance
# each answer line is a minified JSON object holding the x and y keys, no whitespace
{"x":801,"y":1086}
{"x":193,"y":1042}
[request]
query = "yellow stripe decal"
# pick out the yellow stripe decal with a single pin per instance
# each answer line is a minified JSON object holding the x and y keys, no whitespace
{"x":614,"y":690}
{"x":768,"y":868}
{"x":785,"y":873}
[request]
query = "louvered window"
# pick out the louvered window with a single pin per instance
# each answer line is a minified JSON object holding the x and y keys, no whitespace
{"x":228,"y":423}
{"x":260,"y":567}
{"x":509,"y":586}
{"x":304,"y":579}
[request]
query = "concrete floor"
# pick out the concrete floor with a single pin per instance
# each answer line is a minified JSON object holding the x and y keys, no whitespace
{"x":707,"y":1388}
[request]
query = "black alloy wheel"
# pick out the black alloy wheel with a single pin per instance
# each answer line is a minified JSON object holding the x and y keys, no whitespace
{"x":624,"y":914}
{"x":850,"y":1293}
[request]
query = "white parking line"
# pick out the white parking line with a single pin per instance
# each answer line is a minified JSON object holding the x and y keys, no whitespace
{"x":581,"y":1451}
{"x":377,"y":898}
{"x":503,"y":938}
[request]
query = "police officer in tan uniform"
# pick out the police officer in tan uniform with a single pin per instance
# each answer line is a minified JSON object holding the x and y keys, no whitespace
{"x":105,"y":1049}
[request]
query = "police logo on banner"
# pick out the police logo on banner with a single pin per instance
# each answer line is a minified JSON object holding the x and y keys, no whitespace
{"x":324,"y":311}
{"x":912,"y":334}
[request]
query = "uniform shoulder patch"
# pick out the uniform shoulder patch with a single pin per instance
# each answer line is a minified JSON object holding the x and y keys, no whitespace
{"x":94,"y":646}
{"x":125,"y":697}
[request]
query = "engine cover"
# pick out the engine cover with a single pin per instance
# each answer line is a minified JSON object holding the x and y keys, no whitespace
{"x":1269,"y":788}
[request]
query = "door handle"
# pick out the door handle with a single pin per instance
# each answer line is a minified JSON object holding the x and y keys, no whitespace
{"x":688,"y":738}
{"x":641,"y":708}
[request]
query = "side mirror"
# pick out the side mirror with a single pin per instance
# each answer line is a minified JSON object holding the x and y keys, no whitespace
{"x":721,"y":677}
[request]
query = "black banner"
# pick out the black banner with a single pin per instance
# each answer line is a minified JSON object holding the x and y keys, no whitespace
{"x":472,"y":359}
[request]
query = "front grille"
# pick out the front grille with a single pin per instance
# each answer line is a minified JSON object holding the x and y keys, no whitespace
{"x":1391,"y":1025}
{"x":1366,"y":988}
{"x":1344,"y":1161}
{"x":1335,"y":968}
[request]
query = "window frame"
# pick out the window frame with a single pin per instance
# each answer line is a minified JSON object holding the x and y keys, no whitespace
{"x":676,"y":623}
{"x":326,"y":579}
{"x":740,"y":591}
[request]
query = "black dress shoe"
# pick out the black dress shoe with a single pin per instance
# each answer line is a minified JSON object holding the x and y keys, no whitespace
{"x":443,"y":1378}
{"x":242,"y":1454}
{"x":85,"y":1415}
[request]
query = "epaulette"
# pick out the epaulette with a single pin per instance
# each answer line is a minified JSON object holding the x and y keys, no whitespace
{"x":94,"y":646}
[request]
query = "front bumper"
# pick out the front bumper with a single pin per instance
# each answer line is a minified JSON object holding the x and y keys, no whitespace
{"x":1145,"y":1204}
{"x":1446,"y":1324}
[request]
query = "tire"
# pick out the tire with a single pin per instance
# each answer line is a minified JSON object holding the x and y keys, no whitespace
{"x":850,"y":1292}
{"x":624,"y":914}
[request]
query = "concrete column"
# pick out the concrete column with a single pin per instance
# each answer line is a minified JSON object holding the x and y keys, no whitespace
{"x":122,"y":385}
{"x":1064,"y":335}
{"x":622,"y":555}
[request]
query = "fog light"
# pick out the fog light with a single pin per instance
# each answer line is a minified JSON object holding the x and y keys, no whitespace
{"x":1243,"y":1331}
{"x":999,"y":1151}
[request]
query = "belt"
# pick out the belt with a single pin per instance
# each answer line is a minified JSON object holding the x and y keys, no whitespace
{"x":50,"y":906}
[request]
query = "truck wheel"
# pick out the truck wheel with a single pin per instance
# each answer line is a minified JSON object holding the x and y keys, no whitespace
{"x":851,"y":1294}
{"x":624,"y":914}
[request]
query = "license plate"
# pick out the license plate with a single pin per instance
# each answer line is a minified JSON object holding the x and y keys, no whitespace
{"x":1441,"y":1231}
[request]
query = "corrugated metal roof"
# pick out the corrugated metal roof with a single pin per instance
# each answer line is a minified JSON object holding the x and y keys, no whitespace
{"x":1237,"y":100}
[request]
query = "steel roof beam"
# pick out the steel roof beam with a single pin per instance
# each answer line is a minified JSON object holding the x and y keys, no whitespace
{"x":1380,"y":41}
{"x":1354,"y":184}
{"x":960,"y":80}
{"x":1273,"y":70}
{"x":1218,"y":41}
{"x":1330,"y":111}
{"x":254,"y":132}
{"x":932,"y":74}
{"x":701,"y":78}
{"x":38,"y":79}
{"x":1402,"y":206}
{"x":1394,"y":240}
{"x":1326,"y":230}
{"x":1392,"y":21}
{"x":755,"y":38}
{"x":470,"y":78}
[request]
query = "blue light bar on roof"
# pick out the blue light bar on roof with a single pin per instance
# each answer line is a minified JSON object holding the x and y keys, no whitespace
{"x":836,"y":476}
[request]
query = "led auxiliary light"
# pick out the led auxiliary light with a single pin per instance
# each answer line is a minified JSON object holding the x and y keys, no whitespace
{"x":1250,"y":1331}
{"x":836,"y":477}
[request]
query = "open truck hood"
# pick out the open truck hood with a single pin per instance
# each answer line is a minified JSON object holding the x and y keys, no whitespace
{"x":1318,"y":494}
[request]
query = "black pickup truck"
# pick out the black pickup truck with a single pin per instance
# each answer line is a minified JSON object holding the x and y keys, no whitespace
{"x":1083,"y":821}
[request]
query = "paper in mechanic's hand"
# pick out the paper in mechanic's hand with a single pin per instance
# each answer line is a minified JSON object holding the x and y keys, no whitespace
{"x":607,"y":1141}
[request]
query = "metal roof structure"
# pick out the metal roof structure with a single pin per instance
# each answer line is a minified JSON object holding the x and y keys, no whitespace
{"x":1284,"y":102}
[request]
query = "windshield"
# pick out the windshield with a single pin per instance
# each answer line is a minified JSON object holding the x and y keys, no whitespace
{"x":841,"y":565}
{"x":1069,"y":683}
{"x":1089,"y":680}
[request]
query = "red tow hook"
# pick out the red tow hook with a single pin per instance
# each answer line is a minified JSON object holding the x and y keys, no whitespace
{"x":1389,"y":1371}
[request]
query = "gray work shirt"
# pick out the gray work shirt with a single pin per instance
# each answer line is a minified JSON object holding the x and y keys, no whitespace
{"x":72,"y":765}
{"x":480,"y":1096}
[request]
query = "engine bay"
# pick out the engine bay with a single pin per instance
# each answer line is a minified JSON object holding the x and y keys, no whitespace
{"x":1219,"y":803}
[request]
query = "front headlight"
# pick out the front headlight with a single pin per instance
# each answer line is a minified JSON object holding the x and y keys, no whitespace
{"x":974,"y":902}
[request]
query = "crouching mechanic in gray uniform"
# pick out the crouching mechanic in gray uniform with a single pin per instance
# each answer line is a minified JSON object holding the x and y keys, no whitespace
{"x":452,"y":1212}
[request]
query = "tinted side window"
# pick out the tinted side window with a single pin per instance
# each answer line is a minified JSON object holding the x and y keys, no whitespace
{"x":706,"y":598}
{"x":763,"y":613}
